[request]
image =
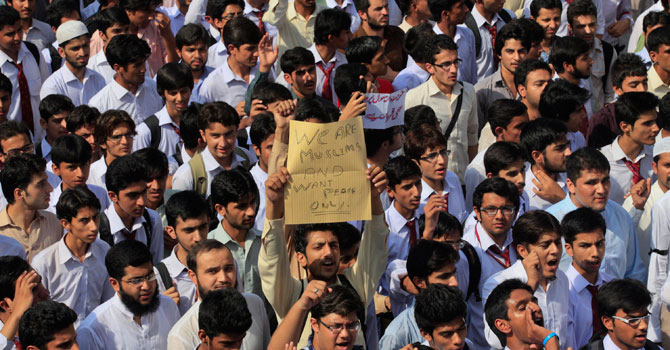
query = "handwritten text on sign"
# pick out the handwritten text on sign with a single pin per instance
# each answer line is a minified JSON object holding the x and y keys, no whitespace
{"x":384,"y":110}
{"x":327,"y":166}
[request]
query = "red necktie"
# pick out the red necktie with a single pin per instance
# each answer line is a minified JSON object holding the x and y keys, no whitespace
{"x":261,"y":26}
{"x":18,"y":344}
{"x":635,"y":169}
{"x":411,"y":224}
{"x":503,"y":254}
{"x":493,"y":30}
{"x":326,"y":92}
{"x":129,"y":235}
{"x":176,"y":129}
{"x":24,"y":92}
{"x":597,"y":326}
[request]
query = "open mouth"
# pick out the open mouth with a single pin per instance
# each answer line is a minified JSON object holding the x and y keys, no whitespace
{"x":552,"y":262}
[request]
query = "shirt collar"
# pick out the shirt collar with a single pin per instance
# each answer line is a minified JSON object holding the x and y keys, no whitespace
{"x":334,"y":4}
{"x":396,"y":220}
{"x":228,"y":74}
{"x":164,"y":117}
{"x":480,"y":20}
{"x":173,"y":265}
{"x":434,"y":90}
{"x":116,"y":224}
{"x":22,"y":53}
{"x":249,"y":9}
{"x":618,"y":154}
{"x":427,"y":191}
{"x":579,"y":282}
{"x":65,"y":254}
{"x":654,"y":81}
{"x":120,"y":92}
{"x":222,"y":236}
{"x":486,"y":241}
{"x":221,"y":47}
{"x":46,"y":147}
{"x":121,"y":307}
{"x":5,"y":220}
{"x":318,"y":58}
{"x":497,"y":79}
{"x":211,"y":164}
{"x":291,"y":13}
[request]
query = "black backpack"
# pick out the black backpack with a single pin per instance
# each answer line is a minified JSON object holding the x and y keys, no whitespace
{"x":472,"y":25}
{"x":106,"y":234}
{"x":475,"y":271}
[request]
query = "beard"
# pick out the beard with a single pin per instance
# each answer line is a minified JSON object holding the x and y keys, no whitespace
{"x":137,"y":308}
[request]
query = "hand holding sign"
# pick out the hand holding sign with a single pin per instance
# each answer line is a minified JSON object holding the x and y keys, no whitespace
{"x":384,"y":110}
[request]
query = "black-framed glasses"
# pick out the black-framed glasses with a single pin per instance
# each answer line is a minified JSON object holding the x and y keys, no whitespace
{"x":29,"y":148}
{"x":492,"y":211}
{"x":446,"y":65}
{"x":338,"y":327}
{"x":431,"y":157}
{"x":139,"y":280}
{"x":117,"y":138}
{"x":633,"y":321}
{"x":230,"y":16}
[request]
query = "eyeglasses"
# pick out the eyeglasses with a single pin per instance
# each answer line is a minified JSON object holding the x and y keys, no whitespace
{"x":459,"y":244}
{"x":492,"y":211}
{"x":29,"y":148}
{"x":338,"y":327}
{"x":447,"y":65}
{"x":117,"y":138}
{"x":139,"y":280}
{"x":432,"y":157}
{"x":634,"y":321}
{"x":230,"y":16}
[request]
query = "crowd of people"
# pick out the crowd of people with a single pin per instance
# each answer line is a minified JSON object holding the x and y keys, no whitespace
{"x":520,"y":205}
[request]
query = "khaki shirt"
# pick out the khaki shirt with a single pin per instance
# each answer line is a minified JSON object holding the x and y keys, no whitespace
{"x":44,"y":231}
{"x":656,"y":85}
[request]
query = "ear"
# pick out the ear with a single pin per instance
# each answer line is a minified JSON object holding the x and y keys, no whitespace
{"x":420,"y":283}
{"x":115,"y":284}
{"x":571,"y":186}
{"x":288,"y":78}
{"x":66,"y":225}
{"x":18,"y":193}
{"x":5,"y":304}
{"x":568,"y":249}
{"x":426,"y":335}
{"x":521,"y":90}
{"x":43,"y":123}
{"x":31,"y":347}
{"x":537,"y":156}
{"x":489,"y":175}
{"x":112,"y":196}
{"x":478,"y":214}
{"x":654,"y":166}
{"x":498,"y":131}
{"x":430,"y":68}
{"x":231,"y":48}
{"x":522,"y":250}
{"x":302,"y":260}
{"x":202,"y":135}
{"x":390,"y":192}
{"x":208,"y":19}
{"x":570,"y":29}
{"x":202,"y":336}
{"x":61,"y":52}
{"x":652,"y":55}
{"x":363,"y":15}
{"x":171,"y":232}
{"x":608,"y":322}
{"x":194,"y":279}
{"x":178,"y":53}
{"x":444,"y":14}
{"x":315,"y":325}
{"x":503,"y":326}
{"x":257,"y":151}
{"x":220,"y":209}
{"x":625,"y":127}
{"x":55,"y":169}
{"x":117,"y":67}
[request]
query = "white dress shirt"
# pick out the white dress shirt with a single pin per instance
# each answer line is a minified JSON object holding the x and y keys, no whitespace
{"x":9,"y":246}
{"x":398,"y":240}
{"x":6,"y":344}
{"x":179,"y":274}
{"x":111,"y":326}
{"x":98,"y":191}
{"x":536,"y":202}
{"x":563,"y":27}
{"x":252,"y":13}
{"x":116,"y":227}
{"x":576,"y":140}
{"x":64,"y":82}
{"x":99,"y":64}
{"x":195,"y":93}
{"x":475,"y":173}
{"x":183,"y":178}
{"x":554,"y":302}
{"x":621,"y":178}
{"x":169,"y":137}
{"x":580,"y":316}
{"x":217,"y":55}
{"x":176,"y":17}
{"x":225,"y":86}
{"x":338,"y":59}
{"x":260,"y":177}
{"x":82,"y":286}
{"x":139,"y":106}
{"x":184,"y":333}
{"x":465,"y":40}
{"x":453,"y":188}
{"x":485,"y":61}
{"x":638,"y":30}
{"x":40,"y":34}
{"x":46,"y":154}
{"x":349,"y":7}
{"x":96,"y":173}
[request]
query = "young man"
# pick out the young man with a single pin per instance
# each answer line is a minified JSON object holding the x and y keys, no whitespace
{"x":227,"y":332}
{"x":262,"y":135}
{"x":192,"y":42}
{"x":281,"y":289}
{"x":652,"y":21}
{"x":187,"y":223}
{"x":295,"y":22}
{"x":127,"y":218}
{"x":81,"y":122}
{"x":73,"y":79}
{"x":20,"y":288}
{"x":415,"y":13}
{"x":48,"y":325}
{"x":331,"y":35}
{"x":415,"y":73}
{"x":495,"y":204}
{"x":487,"y":18}
{"x":369,"y":50}
{"x":161,"y":130}
{"x":513,"y":314}
{"x":130,"y":91}
{"x":211,"y":267}
{"x":111,"y":22}
{"x":54,"y":109}
{"x":71,"y":162}
{"x":218,"y":13}
{"x":584,"y":234}
{"x":628,"y":74}
{"x":73,"y":270}
{"x":114,"y":134}
{"x":568,"y":103}
{"x":547,"y":13}
{"x":506,"y":120}
{"x":427,"y":147}
{"x":571,"y":59}
{"x":589,"y":186}
{"x":218,"y":123}
{"x":176,"y":14}
{"x":449,"y":16}
{"x":235,"y":199}
{"x":190,"y":134}
{"x":530,"y":78}
{"x":659,"y":77}
{"x":157,"y":169}
{"x":630,"y":154}
{"x":5,"y":97}
{"x":440,"y":314}
{"x":26,"y":81}
{"x":443,"y":88}
{"x":32,"y":30}
{"x":114,"y":324}
{"x":537,"y":236}
{"x":24,"y":218}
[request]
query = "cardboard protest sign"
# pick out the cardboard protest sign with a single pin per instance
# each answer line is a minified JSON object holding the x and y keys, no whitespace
{"x":327,"y":166}
{"x":384,"y":110}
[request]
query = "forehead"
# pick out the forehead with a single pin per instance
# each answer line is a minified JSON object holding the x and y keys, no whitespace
{"x":592,"y":236}
{"x":513,"y":42}
{"x":450,"y":326}
{"x":216,"y":127}
{"x":336,"y":318}
{"x":634,"y":78}
{"x":549,"y":236}
{"x":545,"y":12}
{"x":446,"y":55}
{"x":518,"y":296}
{"x":78,"y":41}
{"x":214,"y":257}
{"x":516,"y":165}
{"x":232,"y":8}
{"x":120,"y":129}
{"x":409,"y":181}
{"x":141,"y":270}
{"x":86,"y":212}
{"x":378,"y":3}
{"x":561,"y":141}
{"x":18,"y":140}
{"x":491,"y":198}
{"x":192,"y":221}
{"x":538,"y":74}
{"x":10,"y":28}
{"x":585,"y":19}
{"x":435,"y":148}
{"x":321,"y":236}
{"x":590,"y":174}
{"x":137,"y":186}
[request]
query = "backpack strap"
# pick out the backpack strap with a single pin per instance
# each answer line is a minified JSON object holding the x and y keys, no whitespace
{"x":361,"y":313}
{"x":177,"y":156}
{"x":33,"y":50}
{"x":246,"y":163}
{"x":155,"y":130}
{"x":475,"y":271}
{"x":472,"y":25}
{"x":147,"y":226}
{"x":457,"y":112}
{"x":505,"y":16}
{"x":56,"y":60}
{"x":608,"y":52}
{"x":165,"y":275}
{"x":199,"y":174}
{"x":38,"y":149}
{"x":650,"y":345}
{"x":104,"y":230}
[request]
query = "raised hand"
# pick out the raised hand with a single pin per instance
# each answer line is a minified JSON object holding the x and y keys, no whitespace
{"x":355,"y":107}
{"x":546,"y":187}
{"x":434,"y":206}
{"x":267,"y":55}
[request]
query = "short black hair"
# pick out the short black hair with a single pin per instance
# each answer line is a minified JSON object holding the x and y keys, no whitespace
{"x":138,"y":4}
{"x":217,"y":112}
{"x":538,"y":134}
{"x":189,"y":125}
{"x":400,"y":168}
{"x":54,"y":104}
{"x":363,"y":49}
{"x":123,"y":254}
{"x":328,"y":22}
{"x":347,"y":81}
{"x":627,"y":65}
{"x":566,"y":50}
{"x":416,"y":39}
{"x":231,"y":186}
{"x":80,"y":117}
{"x":71,"y":149}
{"x":173,"y":76}
{"x":502,"y":111}
{"x":123,"y":172}
{"x":216,"y":8}
{"x":422,"y":138}
{"x":438,"y":43}
{"x":204,"y":246}
{"x":526,"y":67}
{"x":446,"y":225}
{"x":11,"y":267}
{"x":496,"y":305}
{"x":191,"y":34}
{"x":224,"y":311}
{"x":561,"y":98}
{"x":302,"y":233}
{"x":626,"y":294}
{"x":185,"y":205}
{"x":438,"y":305}
{"x":499,"y":186}
{"x":529,"y":227}
{"x":420,"y":115}
{"x":582,"y":220}
{"x":270,"y":92}
{"x":155,"y":162}
{"x":513,"y":30}
{"x":110,"y":16}
{"x":11,"y":128}
{"x":631,"y":105}
{"x":654,"y":18}
{"x":657,"y":37}
{"x":341,"y":301}
{"x":5,"y":84}
{"x":585,"y":158}
{"x":18,"y":172}
{"x":42,"y":321}
{"x":72,"y":200}
{"x":239,"y":31}
{"x":536,"y":6}
{"x":59,"y":9}
{"x":8,"y":16}
{"x":429,"y":256}
{"x":262,"y":127}
{"x":375,"y":137}
{"x":663,"y":120}
{"x":124,"y":49}
{"x":500,"y":155}
{"x":581,"y":8}
{"x":312,"y":108}
{"x":348,"y":236}
{"x":436,"y":8}
{"x":110,"y":121}
{"x":362,"y":5}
